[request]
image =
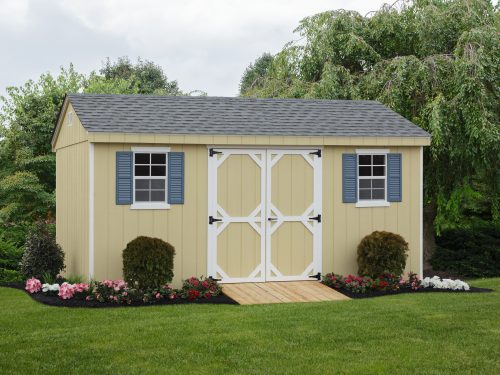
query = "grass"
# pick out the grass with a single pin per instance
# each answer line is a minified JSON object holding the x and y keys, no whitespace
{"x":424,"y":333}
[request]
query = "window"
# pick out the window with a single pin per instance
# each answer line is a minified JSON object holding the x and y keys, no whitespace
{"x":69,"y":119}
{"x":150,"y":178}
{"x":372,"y":178}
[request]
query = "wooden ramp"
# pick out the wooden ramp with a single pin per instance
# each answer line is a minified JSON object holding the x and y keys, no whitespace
{"x":281,"y":292}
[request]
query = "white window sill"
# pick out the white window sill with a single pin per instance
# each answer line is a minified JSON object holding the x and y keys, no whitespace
{"x":150,"y":206}
{"x":369,"y":203}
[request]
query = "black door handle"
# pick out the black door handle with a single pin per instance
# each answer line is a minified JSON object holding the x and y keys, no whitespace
{"x":317,"y":218}
{"x":212,"y":220}
{"x":272,"y":218}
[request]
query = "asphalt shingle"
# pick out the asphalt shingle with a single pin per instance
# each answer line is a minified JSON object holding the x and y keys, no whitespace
{"x":239,"y":116}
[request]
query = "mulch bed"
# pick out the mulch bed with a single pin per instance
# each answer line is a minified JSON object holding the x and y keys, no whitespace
{"x":380,"y":293}
{"x":53,"y":300}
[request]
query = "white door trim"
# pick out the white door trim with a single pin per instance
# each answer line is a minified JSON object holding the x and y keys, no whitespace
{"x":256,"y":219}
{"x":313,"y":210}
{"x":265,"y":209}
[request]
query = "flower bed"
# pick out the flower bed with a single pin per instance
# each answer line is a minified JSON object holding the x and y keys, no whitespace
{"x":387,"y":284}
{"x":114,"y":293}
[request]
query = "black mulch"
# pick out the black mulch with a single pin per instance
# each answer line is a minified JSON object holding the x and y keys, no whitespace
{"x":380,"y":293}
{"x":54,"y":300}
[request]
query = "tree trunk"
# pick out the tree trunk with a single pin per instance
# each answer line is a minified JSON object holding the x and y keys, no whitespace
{"x":429,"y":213}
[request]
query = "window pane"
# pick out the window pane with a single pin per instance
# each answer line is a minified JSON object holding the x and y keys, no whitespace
{"x":141,"y":158}
{"x":365,"y":184}
{"x":158,"y":196}
{"x":142,"y":184}
{"x":158,"y":184}
{"x":142,"y":196}
{"x":378,"y":159}
{"x":378,"y":194}
{"x":364,"y":194}
{"x":365,"y":171}
{"x":158,"y":170}
{"x":378,"y":183}
{"x":142,"y":170}
{"x":379,"y":171}
{"x":158,"y":158}
{"x":365,"y":159}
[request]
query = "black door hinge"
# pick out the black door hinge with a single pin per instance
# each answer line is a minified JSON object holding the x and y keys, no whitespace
{"x":212,"y":152}
{"x":317,"y":276}
{"x":212,"y":220}
{"x":317,"y":218}
{"x":317,"y":152}
{"x":214,"y":279}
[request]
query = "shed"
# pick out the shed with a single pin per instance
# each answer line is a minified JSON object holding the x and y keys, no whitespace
{"x":246,"y":190}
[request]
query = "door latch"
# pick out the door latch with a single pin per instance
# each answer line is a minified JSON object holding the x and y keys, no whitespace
{"x":212,"y":220}
{"x":317,"y":218}
{"x":272,"y":218}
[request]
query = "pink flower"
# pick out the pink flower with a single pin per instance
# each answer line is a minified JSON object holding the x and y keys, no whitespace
{"x":33,"y":285}
{"x":158,"y":296}
{"x":66,"y":291}
{"x":124,"y":294}
{"x":87,"y":298}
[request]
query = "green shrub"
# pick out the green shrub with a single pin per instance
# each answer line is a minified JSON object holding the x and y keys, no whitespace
{"x":382,"y":252}
{"x":10,"y":254}
{"x":148,"y":262}
{"x":10,"y":276}
{"x":468,"y":252}
{"x":42,"y":255}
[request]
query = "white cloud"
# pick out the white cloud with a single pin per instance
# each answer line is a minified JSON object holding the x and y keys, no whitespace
{"x":204,"y":44}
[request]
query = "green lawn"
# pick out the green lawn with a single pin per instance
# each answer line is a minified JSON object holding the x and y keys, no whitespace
{"x":430,"y":333}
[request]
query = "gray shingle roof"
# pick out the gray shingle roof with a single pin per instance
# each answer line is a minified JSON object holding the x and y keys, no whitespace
{"x":239,"y":116}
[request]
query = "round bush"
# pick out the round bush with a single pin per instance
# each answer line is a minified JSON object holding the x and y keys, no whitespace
{"x":148,"y":262}
{"x":42,"y":255}
{"x":382,"y":252}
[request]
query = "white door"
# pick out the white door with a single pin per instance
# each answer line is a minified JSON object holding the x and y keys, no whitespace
{"x":264,"y":219}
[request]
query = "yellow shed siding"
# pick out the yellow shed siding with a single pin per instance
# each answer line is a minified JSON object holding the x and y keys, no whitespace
{"x":72,"y":196}
{"x":69,"y":134}
{"x":185,"y":226}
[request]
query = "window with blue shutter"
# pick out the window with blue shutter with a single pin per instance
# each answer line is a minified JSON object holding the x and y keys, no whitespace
{"x":124,"y":177}
{"x":175,"y":177}
{"x":394,"y":188}
{"x":349,"y":178}
{"x":149,"y":178}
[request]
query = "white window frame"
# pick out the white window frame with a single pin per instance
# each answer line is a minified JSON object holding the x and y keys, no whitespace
{"x":372,"y":202}
{"x":150,"y":205}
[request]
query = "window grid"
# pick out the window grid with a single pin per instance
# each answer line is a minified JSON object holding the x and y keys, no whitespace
{"x":154,"y":193}
{"x":362,"y":163}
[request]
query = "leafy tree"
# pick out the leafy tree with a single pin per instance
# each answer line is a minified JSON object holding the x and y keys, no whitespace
{"x":255,"y":72}
{"x":145,"y":77}
{"x":435,"y":62}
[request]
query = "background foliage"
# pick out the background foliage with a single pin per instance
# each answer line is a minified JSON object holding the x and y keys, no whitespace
{"x":437,"y":63}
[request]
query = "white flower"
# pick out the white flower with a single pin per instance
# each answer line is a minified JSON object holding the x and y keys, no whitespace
{"x":437,"y":283}
{"x":50,"y":288}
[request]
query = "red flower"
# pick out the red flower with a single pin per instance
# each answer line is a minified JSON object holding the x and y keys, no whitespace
{"x":193,"y":294}
{"x":205,"y":284}
{"x":208,"y":295}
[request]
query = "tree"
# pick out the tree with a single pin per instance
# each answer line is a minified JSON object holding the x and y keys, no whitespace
{"x":436,"y":63}
{"x":145,"y":77}
{"x":255,"y":72}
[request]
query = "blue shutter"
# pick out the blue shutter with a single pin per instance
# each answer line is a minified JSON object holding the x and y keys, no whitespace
{"x":124,"y":175}
{"x":176,"y":178}
{"x":349,"y":178}
{"x":394,"y":192}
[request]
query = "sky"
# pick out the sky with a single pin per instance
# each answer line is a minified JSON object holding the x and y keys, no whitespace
{"x":203,"y":44}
